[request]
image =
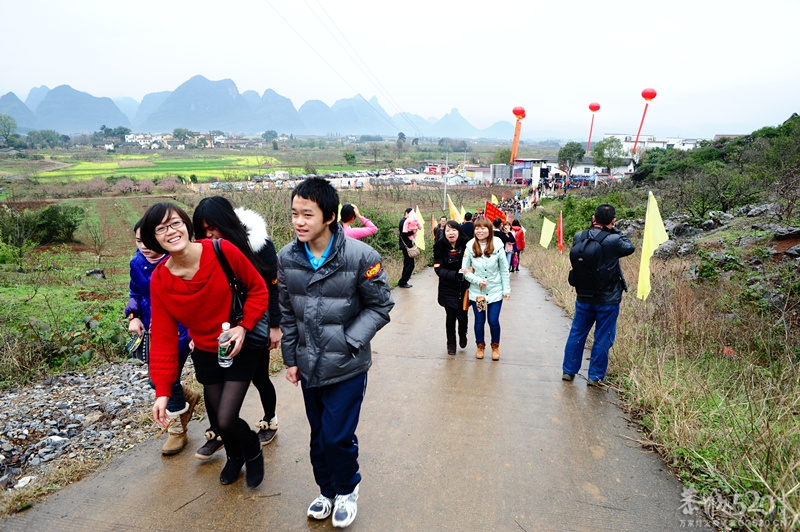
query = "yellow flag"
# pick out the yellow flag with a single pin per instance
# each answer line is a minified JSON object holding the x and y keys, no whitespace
{"x":420,"y":240}
{"x":463,"y":214}
{"x":454,"y":214}
{"x":654,"y":236}
{"x":548,"y":228}
{"x":494,"y":199}
{"x":339,"y":213}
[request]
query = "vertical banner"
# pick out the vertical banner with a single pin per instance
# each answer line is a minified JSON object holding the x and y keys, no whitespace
{"x":420,"y":241}
{"x":560,"y":231}
{"x":654,"y":235}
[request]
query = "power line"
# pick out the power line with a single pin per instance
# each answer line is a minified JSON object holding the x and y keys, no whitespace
{"x":394,"y":126}
{"x":368,"y":73}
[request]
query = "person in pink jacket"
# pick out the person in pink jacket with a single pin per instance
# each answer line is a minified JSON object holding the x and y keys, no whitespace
{"x":411,"y":225}
{"x":350,"y":213}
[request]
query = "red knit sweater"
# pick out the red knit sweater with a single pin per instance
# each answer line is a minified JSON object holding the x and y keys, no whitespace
{"x":201,"y":305}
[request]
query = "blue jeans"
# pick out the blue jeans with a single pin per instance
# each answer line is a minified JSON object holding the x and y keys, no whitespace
{"x":493,"y":312}
{"x":177,"y":401}
{"x":333,"y":412}
{"x":509,"y":254}
{"x":604,"y":319}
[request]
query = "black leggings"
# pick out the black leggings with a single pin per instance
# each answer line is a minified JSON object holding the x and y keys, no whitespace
{"x":266,"y":390}
{"x":455,"y":315}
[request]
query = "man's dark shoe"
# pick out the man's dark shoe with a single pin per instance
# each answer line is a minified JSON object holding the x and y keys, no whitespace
{"x":462,"y":340}
{"x":567,"y":376}
{"x":592,"y":382}
{"x":404,"y":285}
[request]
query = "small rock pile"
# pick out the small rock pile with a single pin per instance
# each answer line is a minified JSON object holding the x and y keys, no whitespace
{"x":73,"y":416}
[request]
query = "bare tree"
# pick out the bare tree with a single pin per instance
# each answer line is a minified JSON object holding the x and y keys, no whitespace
{"x":100,"y":234}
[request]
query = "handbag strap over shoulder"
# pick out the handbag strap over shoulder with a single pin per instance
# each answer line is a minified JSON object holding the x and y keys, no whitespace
{"x":235,"y":284}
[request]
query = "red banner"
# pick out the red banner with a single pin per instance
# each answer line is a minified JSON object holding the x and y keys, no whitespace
{"x":493,"y":212}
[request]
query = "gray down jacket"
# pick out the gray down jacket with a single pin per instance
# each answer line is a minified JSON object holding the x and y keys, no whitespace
{"x":329,"y":316}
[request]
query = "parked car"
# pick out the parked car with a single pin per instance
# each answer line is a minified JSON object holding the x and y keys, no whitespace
{"x":279,"y":184}
{"x":251,"y":186}
{"x":227,"y":187}
{"x":359,"y":184}
{"x":215,"y":185}
{"x":265,"y":185}
{"x":290,"y":184}
{"x":239,"y":186}
{"x":399,"y":171}
{"x":411,"y":171}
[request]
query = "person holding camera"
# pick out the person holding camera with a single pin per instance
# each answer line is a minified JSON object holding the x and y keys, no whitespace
{"x":599,"y":283}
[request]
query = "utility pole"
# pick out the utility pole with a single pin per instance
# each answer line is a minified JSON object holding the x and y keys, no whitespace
{"x":444,"y":178}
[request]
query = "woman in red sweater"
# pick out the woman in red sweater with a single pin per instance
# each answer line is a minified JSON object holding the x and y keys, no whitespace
{"x":191,"y":288}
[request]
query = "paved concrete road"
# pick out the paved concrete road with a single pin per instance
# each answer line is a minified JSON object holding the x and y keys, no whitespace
{"x":448,"y":443}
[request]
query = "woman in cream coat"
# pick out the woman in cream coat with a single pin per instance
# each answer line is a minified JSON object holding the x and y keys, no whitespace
{"x":486,"y":268}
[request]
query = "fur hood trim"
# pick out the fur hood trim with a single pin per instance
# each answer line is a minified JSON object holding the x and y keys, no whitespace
{"x":256,"y":227}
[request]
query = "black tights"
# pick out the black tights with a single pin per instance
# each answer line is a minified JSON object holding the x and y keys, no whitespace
{"x":223,"y":403}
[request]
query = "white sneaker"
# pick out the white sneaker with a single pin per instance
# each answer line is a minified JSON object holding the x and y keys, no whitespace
{"x":345,"y":509}
{"x":320,"y":508}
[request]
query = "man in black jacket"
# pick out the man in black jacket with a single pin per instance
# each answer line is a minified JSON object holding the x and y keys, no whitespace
{"x":405,"y":243}
{"x":468,"y":227}
{"x":598,"y":307}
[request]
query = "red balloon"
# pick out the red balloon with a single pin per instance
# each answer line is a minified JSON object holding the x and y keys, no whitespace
{"x":519,"y":112}
{"x":594,"y":107}
{"x":648,"y":94}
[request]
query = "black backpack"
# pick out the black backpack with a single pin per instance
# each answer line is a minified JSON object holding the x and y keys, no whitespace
{"x":589,"y":274}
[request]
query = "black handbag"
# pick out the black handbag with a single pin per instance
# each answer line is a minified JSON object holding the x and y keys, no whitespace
{"x":258,"y":338}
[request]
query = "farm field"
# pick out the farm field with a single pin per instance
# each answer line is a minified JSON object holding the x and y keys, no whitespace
{"x":205,"y":167}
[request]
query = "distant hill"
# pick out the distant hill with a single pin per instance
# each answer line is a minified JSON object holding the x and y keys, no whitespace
{"x":69,"y":111}
{"x":35,"y":97}
{"x":202,"y":105}
{"x":11,"y":105}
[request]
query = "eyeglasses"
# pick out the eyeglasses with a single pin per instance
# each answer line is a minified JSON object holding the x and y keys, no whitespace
{"x":177,"y":224}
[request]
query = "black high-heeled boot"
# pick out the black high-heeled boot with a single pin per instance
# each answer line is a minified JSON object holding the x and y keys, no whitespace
{"x":254,"y":470}
{"x":230,"y":473}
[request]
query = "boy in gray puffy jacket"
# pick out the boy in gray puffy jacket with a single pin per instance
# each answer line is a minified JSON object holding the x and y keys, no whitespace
{"x":334,"y":296}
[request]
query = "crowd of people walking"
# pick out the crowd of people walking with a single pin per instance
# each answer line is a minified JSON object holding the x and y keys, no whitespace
{"x":213,"y":286}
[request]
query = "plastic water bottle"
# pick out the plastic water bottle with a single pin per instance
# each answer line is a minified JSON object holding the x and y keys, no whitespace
{"x":224,"y":361}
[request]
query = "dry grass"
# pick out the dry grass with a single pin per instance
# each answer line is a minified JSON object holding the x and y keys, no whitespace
{"x":50,"y":480}
{"x":714,"y":381}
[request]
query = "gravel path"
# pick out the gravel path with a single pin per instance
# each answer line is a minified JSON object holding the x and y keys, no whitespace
{"x":74,"y":418}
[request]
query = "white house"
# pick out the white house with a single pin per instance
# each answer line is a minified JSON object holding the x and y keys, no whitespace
{"x":647,"y":142}
{"x":586,"y":167}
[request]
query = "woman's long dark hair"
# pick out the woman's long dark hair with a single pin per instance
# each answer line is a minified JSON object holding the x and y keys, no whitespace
{"x":217,"y":212}
{"x":476,"y":247}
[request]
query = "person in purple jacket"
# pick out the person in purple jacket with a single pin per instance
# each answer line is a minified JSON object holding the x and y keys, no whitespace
{"x":183,"y":399}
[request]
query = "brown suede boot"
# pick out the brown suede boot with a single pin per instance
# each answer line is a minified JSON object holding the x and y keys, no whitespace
{"x":479,"y":352}
{"x":495,"y":350}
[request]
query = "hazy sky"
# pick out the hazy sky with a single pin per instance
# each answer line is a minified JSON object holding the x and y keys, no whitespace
{"x":719,"y":66}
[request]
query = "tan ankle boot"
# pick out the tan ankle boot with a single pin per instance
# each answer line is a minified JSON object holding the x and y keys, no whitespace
{"x":176,"y":437}
{"x":176,"y":434}
{"x":191,"y":399}
{"x":495,"y":350}
{"x":479,"y":352}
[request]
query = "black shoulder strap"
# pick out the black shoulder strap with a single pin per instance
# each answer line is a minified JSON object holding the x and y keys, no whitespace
{"x":226,"y":267}
{"x":602,"y":236}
